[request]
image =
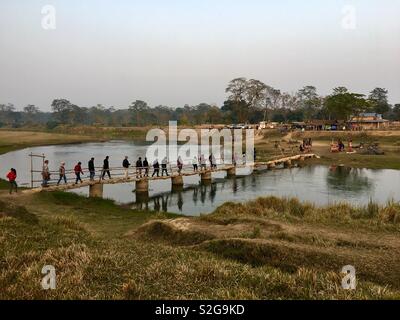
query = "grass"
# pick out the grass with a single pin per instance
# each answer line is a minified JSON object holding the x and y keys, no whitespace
{"x":269,"y":249}
{"x":15,"y":140}
{"x":389,"y":142}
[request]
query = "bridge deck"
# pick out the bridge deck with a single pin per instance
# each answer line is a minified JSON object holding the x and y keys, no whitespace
{"x":187,"y":171}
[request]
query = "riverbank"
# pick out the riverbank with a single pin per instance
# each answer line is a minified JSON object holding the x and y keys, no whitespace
{"x":388,"y":141}
{"x":11,"y":140}
{"x":266,"y":249}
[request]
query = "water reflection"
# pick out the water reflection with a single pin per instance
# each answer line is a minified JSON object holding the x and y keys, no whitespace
{"x":347,"y":179}
{"x":317,"y":184}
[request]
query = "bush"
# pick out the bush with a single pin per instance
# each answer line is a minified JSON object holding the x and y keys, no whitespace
{"x":50,"y":125}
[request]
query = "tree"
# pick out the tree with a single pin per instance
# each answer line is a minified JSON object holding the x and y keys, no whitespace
{"x":342,"y":104}
{"x":237,"y":89}
{"x":309,"y":100}
{"x":238,"y":104}
{"x":61,"y":108}
{"x":394,"y":114}
{"x":379,"y":100}
{"x":238,"y":111}
{"x":8,"y":115}
{"x":255,"y":93}
{"x":138,"y":110}
{"x":7,"y":107}
{"x":31,"y":109}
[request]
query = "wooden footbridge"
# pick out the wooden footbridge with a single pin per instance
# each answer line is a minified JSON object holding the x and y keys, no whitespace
{"x":142,"y":179}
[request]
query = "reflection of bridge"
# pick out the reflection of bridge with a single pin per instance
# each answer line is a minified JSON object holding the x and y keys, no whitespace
{"x":142,"y":182}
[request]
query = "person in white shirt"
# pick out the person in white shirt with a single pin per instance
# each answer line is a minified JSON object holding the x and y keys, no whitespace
{"x":195,"y":163}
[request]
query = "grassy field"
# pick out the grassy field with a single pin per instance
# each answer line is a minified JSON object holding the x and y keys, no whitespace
{"x":14,"y":140}
{"x":266,"y":249}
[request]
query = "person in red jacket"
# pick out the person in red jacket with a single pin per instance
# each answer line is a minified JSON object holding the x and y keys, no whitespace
{"x":78,"y":172}
{"x":12,"y":176}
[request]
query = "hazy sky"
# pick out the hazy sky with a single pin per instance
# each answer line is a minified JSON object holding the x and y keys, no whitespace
{"x":181,"y":51}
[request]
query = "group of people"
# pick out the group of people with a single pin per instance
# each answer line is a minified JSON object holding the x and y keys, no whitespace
{"x":306,"y":146}
{"x":199,"y":163}
{"x":142,"y":168}
{"x":340,"y":147}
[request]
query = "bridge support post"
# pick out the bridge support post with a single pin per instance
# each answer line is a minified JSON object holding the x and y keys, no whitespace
{"x":142,"y":197}
{"x":177,"y":181}
{"x":271,"y":166}
{"x":96,"y":190}
{"x":231,"y":172}
{"x":142,"y":186}
{"x":287,"y":164}
{"x":206,"y":176}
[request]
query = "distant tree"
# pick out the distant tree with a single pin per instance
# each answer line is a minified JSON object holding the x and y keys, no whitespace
{"x":61,"y":108}
{"x":238,"y":103}
{"x":31,"y":109}
{"x":237,"y":89}
{"x":342,"y":104}
{"x":139,"y":110}
{"x":272,"y":98}
{"x":379,"y":100}
{"x":394,"y":114}
{"x":255,"y":93}
{"x":8,"y":116}
{"x":237,"y":111}
{"x":7,"y":107}
{"x":310,"y":101}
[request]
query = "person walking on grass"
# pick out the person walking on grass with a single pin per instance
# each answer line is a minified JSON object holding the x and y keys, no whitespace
{"x":12,"y":177}
{"x":156,"y":168}
{"x":61,"y":171}
{"x":78,"y":171}
{"x":126,"y":165}
{"x":92,"y":170}
{"x":106,"y":168}
{"x":45,"y":174}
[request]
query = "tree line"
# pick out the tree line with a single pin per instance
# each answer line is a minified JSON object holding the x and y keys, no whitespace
{"x":248,"y":101}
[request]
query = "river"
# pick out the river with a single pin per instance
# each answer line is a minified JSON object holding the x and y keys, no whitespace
{"x":318,"y":184}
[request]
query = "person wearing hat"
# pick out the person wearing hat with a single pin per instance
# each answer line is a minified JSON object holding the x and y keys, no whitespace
{"x":45,"y":174}
{"x":62,"y":173}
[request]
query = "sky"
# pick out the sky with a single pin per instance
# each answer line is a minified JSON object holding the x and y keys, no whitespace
{"x":179,"y":52}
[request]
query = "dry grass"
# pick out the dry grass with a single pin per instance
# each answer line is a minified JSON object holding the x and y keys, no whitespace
{"x":103,"y":251}
{"x":389,"y":141}
{"x":13,"y":140}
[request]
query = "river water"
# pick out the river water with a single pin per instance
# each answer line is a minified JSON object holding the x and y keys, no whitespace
{"x":319,"y":184}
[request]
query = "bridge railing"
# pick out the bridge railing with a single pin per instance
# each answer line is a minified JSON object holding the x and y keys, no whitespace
{"x":120,"y":172}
